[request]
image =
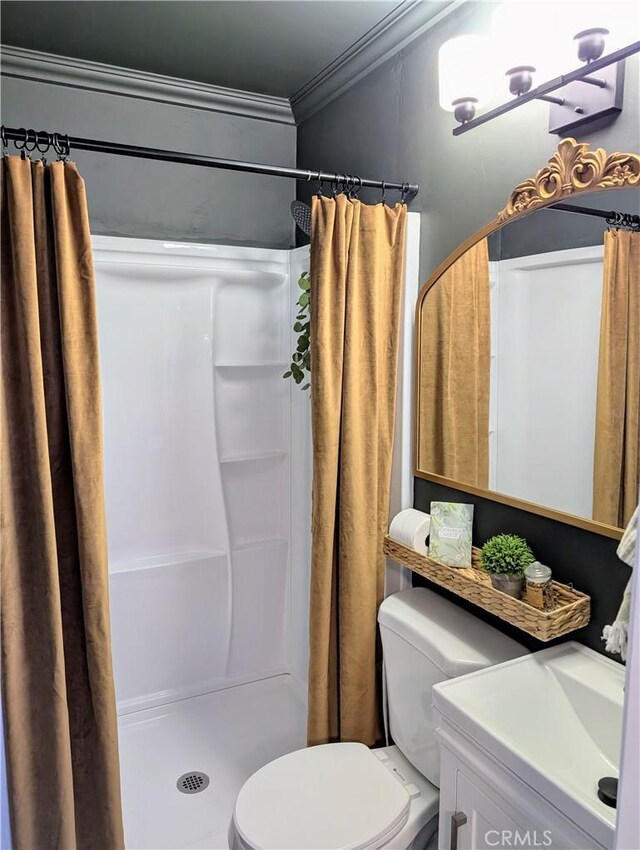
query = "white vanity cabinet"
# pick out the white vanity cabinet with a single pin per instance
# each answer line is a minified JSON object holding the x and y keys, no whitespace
{"x":483,"y":805}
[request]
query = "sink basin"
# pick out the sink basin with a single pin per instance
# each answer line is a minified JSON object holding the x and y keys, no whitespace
{"x":554,"y":718}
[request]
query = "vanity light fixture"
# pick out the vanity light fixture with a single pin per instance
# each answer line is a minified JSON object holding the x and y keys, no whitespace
{"x":466,"y":78}
{"x":528,"y":46}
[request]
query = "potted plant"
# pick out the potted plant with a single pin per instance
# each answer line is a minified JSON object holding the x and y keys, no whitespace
{"x":505,"y":557}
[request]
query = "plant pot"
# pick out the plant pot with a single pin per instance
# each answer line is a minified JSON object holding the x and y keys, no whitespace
{"x":509,"y":584}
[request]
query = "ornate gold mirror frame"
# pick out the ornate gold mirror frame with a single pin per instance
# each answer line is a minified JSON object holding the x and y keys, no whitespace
{"x":572,"y":170}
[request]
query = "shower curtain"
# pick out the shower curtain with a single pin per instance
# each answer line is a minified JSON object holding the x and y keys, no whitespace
{"x":357,"y":256}
{"x":456,"y":353}
{"x":57,"y":686}
{"x":616,"y":475}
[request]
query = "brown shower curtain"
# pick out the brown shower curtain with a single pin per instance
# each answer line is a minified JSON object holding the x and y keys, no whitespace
{"x":617,"y":442}
{"x":357,"y":256}
{"x":454,"y":378}
{"x":57,"y":687}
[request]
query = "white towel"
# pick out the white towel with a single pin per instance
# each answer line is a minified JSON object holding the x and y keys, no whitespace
{"x":616,"y":634}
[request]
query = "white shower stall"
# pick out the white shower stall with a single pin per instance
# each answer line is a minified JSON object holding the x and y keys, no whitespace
{"x":199,"y":473}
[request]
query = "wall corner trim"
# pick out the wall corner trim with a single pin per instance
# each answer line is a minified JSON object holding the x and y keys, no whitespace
{"x":400,"y":27}
{"x":110,"y":79}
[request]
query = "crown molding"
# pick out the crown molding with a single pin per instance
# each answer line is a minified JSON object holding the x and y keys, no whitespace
{"x":400,"y":27}
{"x":110,"y":79}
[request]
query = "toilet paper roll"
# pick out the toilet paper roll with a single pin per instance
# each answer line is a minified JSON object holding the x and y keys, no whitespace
{"x":411,"y":527}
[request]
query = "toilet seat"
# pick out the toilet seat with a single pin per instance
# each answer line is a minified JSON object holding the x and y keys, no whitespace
{"x":329,"y":797}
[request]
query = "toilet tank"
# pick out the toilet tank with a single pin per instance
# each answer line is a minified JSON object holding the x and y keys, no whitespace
{"x":427,"y":639}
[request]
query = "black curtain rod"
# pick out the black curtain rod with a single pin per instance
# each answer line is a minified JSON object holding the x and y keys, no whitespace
{"x":40,"y":141}
{"x":612,"y":217}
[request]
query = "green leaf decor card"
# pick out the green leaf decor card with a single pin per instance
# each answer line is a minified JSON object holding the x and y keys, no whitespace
{"x":451,"y":532}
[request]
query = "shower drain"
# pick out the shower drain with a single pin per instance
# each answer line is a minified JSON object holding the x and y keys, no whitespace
{"x":193,"y":782}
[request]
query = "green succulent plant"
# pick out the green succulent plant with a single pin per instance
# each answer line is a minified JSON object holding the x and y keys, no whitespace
{"x":300,"y":367}
{"x":506,"y":554}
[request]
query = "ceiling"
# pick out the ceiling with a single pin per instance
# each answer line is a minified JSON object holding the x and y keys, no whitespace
{"x":258,"y":45}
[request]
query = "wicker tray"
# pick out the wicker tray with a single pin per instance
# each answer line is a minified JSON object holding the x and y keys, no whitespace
{"x":572,"y":608}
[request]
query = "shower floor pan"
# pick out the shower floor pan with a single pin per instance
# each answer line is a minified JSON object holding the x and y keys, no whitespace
{"x":226,"y":735}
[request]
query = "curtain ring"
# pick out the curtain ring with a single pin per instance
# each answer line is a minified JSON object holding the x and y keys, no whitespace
{"x":403,"y":193}
{"x":17,"y":142}
{"x":43,"y":147}
{"x":5,"y":143}
{"x":61,"y":146}
{"x":46,"y":143}
{"x":319,"y":189}
{"x":356,"y":190}
{"x":382,"y":197}
{"x":57,"y":144}
{"x":334,"y":185}
{"x":20,"y":143}
{"x":613,"y":219}
{"x":29,"y":145}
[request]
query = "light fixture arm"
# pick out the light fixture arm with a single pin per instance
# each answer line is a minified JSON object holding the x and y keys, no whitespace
{"x":549,"y":98}
{"x":543,"y":91}
{"x":593,"y":81}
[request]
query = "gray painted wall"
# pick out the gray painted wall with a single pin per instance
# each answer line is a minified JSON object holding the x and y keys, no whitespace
{"x":155,"y":200}
{"x":390,"y":126}
{"x":549,"y":230}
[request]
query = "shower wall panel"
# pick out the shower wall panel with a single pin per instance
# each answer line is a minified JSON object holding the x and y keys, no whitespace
{"x":193,"y":343}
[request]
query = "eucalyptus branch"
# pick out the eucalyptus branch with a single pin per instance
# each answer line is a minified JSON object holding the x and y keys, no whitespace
{"x":300,"y":368}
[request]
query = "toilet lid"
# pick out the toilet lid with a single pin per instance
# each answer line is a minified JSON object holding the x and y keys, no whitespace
{"x":330,"y":797}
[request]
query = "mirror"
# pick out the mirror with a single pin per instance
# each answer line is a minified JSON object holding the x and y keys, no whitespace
{"x":528,"y":348}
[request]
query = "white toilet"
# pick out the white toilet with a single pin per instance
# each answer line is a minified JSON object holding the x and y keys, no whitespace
{"x":339,"y":796}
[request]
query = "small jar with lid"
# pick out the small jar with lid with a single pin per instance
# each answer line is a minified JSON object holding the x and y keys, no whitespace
{"x":538,"y":588}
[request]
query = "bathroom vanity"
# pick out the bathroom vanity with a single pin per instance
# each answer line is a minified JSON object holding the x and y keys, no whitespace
{"x":523,"y":745}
